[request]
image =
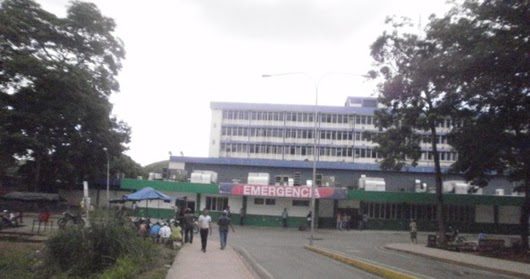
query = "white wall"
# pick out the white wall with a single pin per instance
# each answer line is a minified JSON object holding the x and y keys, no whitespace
{"x":276,"y":210}
{"x":325,"y":208}
{"x":235,"y":204}
{"x":349,"y":203}
{"x":509,"y":214}
{"x":484,"y":214}
{"x":177,"y":165}
{"x":215,"y":133}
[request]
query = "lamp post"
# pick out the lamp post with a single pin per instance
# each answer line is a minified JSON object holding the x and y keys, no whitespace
{"x":316,"y":155}
{"x":315,"y":147}
{"x":108,"y":174}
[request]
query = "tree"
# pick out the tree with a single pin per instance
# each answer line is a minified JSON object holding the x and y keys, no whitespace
{"x":125,"y":166}
{"x":56,"y":75}
{"x":414,"y":99}
{"x":488,"y":43}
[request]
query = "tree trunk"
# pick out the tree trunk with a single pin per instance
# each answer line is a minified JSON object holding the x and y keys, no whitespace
{"x":36,"y":178}
{"x":440,"y":216}
{"x":525,"y":209}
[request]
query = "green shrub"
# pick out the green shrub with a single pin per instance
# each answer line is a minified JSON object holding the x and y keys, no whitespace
{"x":108,"y":244}
{"x":124,"y":268}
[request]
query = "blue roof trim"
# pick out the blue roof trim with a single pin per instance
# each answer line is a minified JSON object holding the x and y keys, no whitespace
{"x":291,"y":164}
{"x":291,"y":108}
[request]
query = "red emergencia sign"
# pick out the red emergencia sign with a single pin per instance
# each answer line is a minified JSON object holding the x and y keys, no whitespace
{"x":295,"y":192}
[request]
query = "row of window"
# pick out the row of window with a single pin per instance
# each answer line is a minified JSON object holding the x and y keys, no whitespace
{"x":306,"y":150}
{"x":444,"y":155}
{"x":309,"y":116}
{"x":302,"y":150}
{"x":216,"y":203}
{"x":268,"y":201}
{"x":294,"y":133}
{"x":221,"y":203}
{"x":439,"y":139}
{"x":448,"y":123}
{"x":298,"y":117}
{"x":398,"y":211}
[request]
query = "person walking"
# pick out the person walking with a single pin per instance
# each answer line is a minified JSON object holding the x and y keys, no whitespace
{"x":285,"y":215}
{"x":339,"y":221}
{"x":413,"y":231}
{"x":224,"y":223}
{"x":308,"y":217}
{"x":188,"y":223}
{"x":242,"y":213}
{"x":205,"y":226}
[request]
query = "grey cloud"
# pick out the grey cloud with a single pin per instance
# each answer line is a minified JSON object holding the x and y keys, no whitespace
{"x":297,"y":20}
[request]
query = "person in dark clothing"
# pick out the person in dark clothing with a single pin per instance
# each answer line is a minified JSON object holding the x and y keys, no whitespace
{"x":285,"y":215}
{"x":242,"y":214}
{"x":309,"y":216}
{"x":188,"y":222}
{"x":224,"y":223}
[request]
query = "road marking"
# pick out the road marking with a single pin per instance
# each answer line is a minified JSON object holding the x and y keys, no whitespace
{"x":366,"y":265}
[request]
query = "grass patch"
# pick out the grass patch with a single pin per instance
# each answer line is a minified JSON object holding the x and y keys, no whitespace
{"x":17,"y":259}
{"x":160,"y":265}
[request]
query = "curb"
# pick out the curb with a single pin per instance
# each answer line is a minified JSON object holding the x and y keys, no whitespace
{"x":486,"y":268}
{"x":378,"y":270}
{"x":252,"y":264}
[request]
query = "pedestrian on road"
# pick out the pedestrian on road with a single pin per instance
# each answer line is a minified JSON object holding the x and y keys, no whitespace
{"x":285,"y":215}
{"x":224,"y":223}
{"x":309,"y":215}
{"x":339,"y":221}
{"x":242,"y":213}
{"x":228,"y":212}
{"x":413,"y":231}
{"x":205,"y":226}
{"x":188,"y":224}
{"x":345,"y":222}
{"x":364,"y":221}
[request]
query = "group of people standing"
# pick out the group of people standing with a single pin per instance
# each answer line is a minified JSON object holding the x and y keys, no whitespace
{"x":160,"y":232}
{"x":347,"y":221}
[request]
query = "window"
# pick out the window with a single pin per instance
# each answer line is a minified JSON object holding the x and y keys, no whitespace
{"x":270,"y":201}
{"x":216,"y":203}
{"x":300,"y":202}
{"x":259,"y":201}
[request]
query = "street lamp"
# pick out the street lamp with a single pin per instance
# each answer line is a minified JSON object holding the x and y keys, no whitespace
{"x":315,"y":150}
{"x":316,"y":156}
{"x":108,"y":174}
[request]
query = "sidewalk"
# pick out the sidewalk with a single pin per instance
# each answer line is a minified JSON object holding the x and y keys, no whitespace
{"x":191,"y":262}
{"x":497,"y":265}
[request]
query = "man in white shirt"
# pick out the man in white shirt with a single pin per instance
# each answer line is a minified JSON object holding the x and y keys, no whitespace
{"x":205,"y":226}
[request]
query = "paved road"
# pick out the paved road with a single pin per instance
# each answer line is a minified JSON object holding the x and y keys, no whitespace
{"x":281,"y":253}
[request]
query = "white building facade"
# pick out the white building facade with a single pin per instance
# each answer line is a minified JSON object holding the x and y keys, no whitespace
{"x":287,"y":132}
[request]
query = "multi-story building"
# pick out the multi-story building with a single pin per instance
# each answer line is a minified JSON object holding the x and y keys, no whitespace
{"x":269,"y":148}
{"x":287,"y":132}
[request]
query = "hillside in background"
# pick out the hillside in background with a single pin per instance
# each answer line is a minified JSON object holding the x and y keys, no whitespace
{"x":156,"y":167}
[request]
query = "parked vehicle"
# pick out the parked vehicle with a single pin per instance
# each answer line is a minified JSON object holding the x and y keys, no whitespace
{"x":69,"y":218}
{"x":7,"y":219}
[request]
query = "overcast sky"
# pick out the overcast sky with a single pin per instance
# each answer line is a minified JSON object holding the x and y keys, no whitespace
{"x":183,"y":54}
